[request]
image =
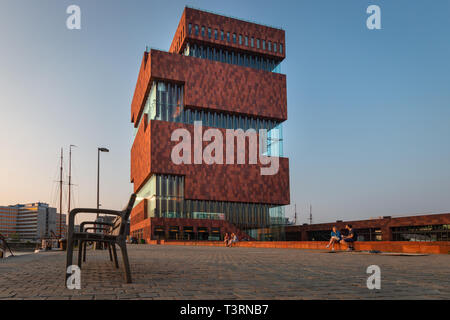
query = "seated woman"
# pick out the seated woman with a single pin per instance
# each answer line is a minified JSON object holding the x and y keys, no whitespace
{"x":335,"y":238}
{"x":233,"y":239}
{"x":226,"y":239}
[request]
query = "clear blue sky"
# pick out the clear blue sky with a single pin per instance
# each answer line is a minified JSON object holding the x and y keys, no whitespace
{"x":368,"y":111}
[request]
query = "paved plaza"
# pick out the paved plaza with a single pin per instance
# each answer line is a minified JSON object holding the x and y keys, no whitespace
{"x":190,"y":272}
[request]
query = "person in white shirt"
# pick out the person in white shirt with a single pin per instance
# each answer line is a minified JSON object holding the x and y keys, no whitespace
{"x":233,"y":239}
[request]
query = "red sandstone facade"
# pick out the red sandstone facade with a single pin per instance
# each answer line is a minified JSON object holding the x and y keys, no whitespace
{"x":214,"y":85}
{"x":227,"y":25}
{"x":221,"y":76}
{"x":206,"y":182}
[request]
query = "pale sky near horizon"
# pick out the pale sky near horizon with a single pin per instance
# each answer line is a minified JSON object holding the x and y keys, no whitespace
{"x":368,"y":110}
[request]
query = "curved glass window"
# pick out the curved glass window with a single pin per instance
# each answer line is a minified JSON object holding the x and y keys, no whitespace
{"x":165,"y":199}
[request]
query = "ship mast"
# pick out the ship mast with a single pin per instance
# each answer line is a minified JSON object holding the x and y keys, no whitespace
{"x":60,"y":194}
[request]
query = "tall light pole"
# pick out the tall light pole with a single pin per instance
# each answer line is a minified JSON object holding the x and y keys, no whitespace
{"x":70,"y":176}
{"x":98,"y":244}
{"x":98,"y":175}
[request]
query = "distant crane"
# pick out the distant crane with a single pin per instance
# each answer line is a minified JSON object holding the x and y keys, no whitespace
{"x":310,"y":214}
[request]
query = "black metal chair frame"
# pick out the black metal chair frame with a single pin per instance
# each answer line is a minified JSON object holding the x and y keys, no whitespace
{"x":4,"y":246}
{"x":116,"y":234}
{"x":82,"y":248}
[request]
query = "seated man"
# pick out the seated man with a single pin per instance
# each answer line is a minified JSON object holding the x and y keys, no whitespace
{"x":350,"y":238}
{"x":335,"y":238}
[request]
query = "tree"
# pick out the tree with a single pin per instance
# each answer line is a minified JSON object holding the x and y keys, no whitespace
{"x":14,"y":236}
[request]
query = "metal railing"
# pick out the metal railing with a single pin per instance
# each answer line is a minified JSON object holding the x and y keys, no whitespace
{"x":232,"y":17}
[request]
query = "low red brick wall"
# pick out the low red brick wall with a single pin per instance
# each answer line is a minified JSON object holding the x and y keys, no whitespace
{"x":439,"y":247}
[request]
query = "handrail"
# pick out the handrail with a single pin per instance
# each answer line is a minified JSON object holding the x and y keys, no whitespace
{"x":236,"y":18}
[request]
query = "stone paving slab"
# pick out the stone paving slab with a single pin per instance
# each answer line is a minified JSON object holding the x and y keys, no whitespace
{"x":183,"y":272}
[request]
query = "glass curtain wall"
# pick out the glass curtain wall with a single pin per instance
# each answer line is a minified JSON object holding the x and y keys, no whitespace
{"x":422,"y":233}
{"x":165,"y":196}
{"x":165,"y":102}
{"x":232,"y":57}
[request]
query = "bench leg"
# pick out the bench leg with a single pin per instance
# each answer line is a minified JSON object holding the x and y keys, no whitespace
{"x":69,"y":257}
{"x":110,"y":252}
{"x":116,"y":263}
{"x":126,"y":263}
{"x":84,"y":251}
{"x":80,"y":252}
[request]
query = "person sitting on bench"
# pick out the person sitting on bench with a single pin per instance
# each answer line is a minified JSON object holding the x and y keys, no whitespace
{"x":350,"y":238}
{"x":226,"y":238}
{"x":233,"y":239}
{"x":335,"y":238}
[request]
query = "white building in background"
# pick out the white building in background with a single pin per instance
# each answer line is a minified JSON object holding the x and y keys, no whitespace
{"x":31,"y":221}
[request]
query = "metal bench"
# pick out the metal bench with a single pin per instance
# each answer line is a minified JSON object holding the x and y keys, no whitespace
{"x":105,"y":227}
{"x":4,"y":246}
{"x":115,"y":233}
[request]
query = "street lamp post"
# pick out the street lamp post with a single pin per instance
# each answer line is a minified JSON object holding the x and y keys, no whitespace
{"x":98,"y":175}
{"x":98,"y":185}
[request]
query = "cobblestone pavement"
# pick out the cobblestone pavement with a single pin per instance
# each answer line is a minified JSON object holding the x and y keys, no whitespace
{"x":184,"y":272}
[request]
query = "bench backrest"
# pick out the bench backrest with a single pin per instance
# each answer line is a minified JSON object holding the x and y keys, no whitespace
{"x":120,"y":223}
